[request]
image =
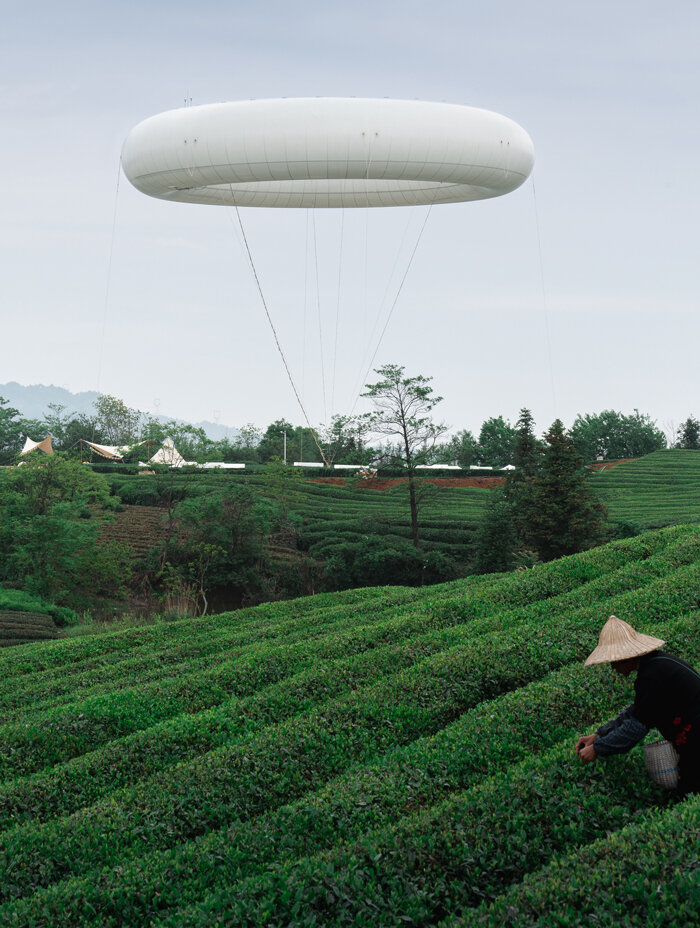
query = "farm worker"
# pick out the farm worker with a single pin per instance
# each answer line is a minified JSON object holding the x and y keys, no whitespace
{"x":666,"y":696}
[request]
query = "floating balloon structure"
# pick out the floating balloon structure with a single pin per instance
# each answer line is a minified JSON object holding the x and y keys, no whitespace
{"x":327,"y":152}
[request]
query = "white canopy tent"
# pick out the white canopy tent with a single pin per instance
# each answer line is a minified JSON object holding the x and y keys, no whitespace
{"x":44,"y":446}
{"x":169,"y":455}
{"x":111,"y":452}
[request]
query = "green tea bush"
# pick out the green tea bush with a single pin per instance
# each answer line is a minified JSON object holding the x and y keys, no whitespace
{"x":394,"y":785}
{"x":19,"y":601}
{"x":647,"y":874}
{"x":360,"y":759}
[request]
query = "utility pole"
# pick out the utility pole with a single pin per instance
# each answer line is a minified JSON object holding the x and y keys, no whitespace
{"x":285,"y":445}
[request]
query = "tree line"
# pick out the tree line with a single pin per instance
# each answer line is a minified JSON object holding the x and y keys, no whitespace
{"x":608,"y":435}
{"x":546,"y":509}
{"x":53,"y":510}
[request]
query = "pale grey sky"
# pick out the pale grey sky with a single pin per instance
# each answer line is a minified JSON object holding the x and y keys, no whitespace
{"x":603,"y":315}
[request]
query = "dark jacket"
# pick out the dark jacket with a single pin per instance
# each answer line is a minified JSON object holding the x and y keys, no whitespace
{"x":666,"y":697}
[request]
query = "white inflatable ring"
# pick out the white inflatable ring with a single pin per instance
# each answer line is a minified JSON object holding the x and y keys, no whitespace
{"x":327,"y":152}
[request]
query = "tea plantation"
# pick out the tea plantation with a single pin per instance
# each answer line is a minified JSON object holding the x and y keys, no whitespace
{"x":383,"y":757}
{"x":650,"y":492}
{"x":328,"y":515}
{"x":659,"y":489}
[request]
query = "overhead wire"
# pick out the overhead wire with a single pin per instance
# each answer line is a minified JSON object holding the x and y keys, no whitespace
{"x":108,"y":286}
{"x":393,"y":304}
{"x":318,"y":314}
{"x":369,"y":341}
{"x":545,"y":308}
{"x":337,"y":309}
{"x":306,"y":300}
{"x":253,"y":269}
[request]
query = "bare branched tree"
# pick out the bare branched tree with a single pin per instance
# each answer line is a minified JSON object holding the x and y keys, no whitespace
{"x":401,"y":412}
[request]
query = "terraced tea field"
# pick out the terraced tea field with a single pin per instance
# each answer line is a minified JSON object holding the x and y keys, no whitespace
{"x":659,"y":489}
{"x":140,"y":527}
{"x":20,"y":627}
{"x":380,"y":757}
{"x":651,"y":492}
{"x":330,"y":515}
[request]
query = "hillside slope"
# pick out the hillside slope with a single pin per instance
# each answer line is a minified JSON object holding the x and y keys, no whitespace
{"x":374,"y":757}
{"x":659,"y":489}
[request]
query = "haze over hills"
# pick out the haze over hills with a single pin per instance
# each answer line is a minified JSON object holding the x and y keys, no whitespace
{"x":33,"y":403}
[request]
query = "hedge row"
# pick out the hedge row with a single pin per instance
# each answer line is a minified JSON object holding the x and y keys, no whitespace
{"x":19,"y":601}
{"x":69,"y":731}
{"x":402,"y":780}
{"x":442,"y":859}
{"x":647,"y":874}
{"x":658,"y":489}
{"x":281,"y":763}
{"x":269,"y":620}
{"x":189,"y":654}
{"x":66,"y":787}
{"x":84,"y":779}
{"x":242,"y":844}
{"x":108,"y":647}
{"x":255,"y":774}
{"x":57,"y":735}
{"x":47,"y":737}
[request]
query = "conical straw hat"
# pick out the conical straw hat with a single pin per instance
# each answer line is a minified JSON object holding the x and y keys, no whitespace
{"x":619,"y":641}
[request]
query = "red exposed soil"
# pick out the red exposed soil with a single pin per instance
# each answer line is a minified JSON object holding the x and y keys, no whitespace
{"x":383,"y":483}
{"x":482,"y":483}
{"x":606,"y":465}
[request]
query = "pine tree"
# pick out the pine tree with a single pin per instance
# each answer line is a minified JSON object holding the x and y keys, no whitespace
{"x":689,"y":434}
{"x":562,"y":517}
{"x":527,"y":455}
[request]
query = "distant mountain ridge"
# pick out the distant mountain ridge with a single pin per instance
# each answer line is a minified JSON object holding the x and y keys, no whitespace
{"x":33,"y":403}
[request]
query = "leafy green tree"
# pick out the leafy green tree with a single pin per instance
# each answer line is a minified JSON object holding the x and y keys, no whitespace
{"x":344,"y":441}
{"x":229,"y":450}
{"x":47,"y":481}
{"x":402,"y":406}
{"x":378,"y":562}
{"x":561,"y":516}
{"x":69,"y":431}
{"x":220,"y":540}
{"x":527,"y":448}
{"x":55,"y":420}
{"x":13,"y":430}
{"x":51,"y":512}
{"x":119,"y":424}
{"x":272,"y":444}
{"x":250,"y":436}
{"x":190,"y":440}
{"x":462,"y":449}
{"x":689,"y":434}
{"x":281,"y":484}
{"x":611,"y":436}
{"x":496,"y":442}
{"x":242,"y":449}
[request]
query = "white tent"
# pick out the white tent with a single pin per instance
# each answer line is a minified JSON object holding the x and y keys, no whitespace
{"x":112,"y":452}
{"x":44,"y":446}
{"x":168,"y":454}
